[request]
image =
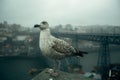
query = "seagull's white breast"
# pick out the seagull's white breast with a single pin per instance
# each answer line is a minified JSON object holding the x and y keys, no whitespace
{"x":46,"y":43}
{"x":45,"y":47}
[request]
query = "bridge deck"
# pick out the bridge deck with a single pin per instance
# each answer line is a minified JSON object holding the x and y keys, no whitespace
{"x":109,"y":38}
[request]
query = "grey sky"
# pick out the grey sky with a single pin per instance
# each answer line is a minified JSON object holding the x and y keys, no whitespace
{"x":75,"y":12}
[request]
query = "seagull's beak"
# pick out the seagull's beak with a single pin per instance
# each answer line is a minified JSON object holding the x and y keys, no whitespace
{"x":35,"y":26}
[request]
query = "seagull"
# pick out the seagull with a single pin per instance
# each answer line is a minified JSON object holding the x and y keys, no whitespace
{"x":53,"y":47}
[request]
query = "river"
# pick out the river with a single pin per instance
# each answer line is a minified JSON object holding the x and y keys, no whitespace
{"x":17,"y":68}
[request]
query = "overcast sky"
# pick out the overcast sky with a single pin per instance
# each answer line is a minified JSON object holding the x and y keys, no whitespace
{"x":75,"y":12}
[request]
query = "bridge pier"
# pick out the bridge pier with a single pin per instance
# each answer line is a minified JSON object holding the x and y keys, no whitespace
{"x":75,"y":60}
{"x":104,"y":59}
{"x":77,"y":47}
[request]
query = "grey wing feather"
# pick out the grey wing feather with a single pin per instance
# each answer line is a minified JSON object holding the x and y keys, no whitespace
{"x":63,"y":47}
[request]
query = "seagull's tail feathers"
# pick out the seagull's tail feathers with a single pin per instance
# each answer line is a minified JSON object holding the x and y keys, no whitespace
{"x":80,"y":53}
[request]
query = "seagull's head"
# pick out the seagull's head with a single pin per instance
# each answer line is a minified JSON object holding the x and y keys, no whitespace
{"x":43,"y":25}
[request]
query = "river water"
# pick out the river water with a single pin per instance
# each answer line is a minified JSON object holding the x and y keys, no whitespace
{"x":17,"y":68}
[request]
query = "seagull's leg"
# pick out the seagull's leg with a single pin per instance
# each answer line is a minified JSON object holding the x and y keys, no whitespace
{"x":55,"y":73}
{"x":57,"y":65}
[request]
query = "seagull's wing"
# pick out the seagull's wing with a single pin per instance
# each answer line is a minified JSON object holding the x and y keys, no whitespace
{"x":63,"y":47}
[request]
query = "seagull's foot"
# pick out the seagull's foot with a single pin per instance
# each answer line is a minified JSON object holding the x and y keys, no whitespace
{"x":53,"y":73}
{"x":32,"y":71}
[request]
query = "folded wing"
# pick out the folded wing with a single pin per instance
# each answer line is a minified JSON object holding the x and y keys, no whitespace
{"x":63,"y":47}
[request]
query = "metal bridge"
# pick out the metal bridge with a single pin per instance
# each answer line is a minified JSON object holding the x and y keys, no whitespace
{"x":104,"y":40}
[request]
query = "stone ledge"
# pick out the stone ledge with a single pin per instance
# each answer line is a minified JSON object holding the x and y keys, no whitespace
{"x":63,"y":76}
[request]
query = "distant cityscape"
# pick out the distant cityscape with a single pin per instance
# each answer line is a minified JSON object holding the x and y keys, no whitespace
{"x":16,"y":40}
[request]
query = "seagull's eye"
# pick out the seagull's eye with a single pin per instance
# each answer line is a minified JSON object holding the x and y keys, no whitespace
{"x":44,"y":22}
